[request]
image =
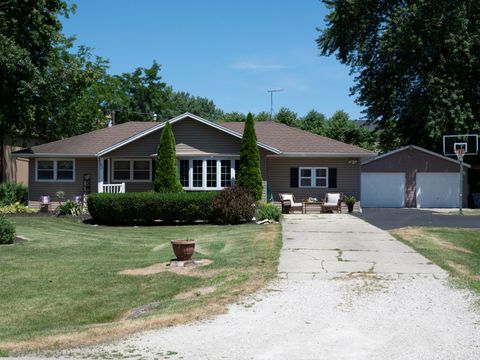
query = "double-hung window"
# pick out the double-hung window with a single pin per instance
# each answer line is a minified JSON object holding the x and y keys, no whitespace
{"x":61,"y":170}
{"x":313,"y":177}
{"x":132,"y":170}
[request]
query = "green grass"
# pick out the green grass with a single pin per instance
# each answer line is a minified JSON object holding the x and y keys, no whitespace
{"x":64,"y":278}
{"x":455,"y":250}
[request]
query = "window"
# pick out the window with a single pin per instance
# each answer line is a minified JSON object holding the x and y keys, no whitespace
{"x":55,"y":170}
{"x":197,"y":173}
{"x":225,"y":173}
{"x":305,"y":177}
{"x":206,"y":174}
{"x":313,"y":177}
{"x":121,"y":170}
{"x":141,"y":170}
{"x":211,"y":173}
{"x":132,"y":170}
{"x":183,"y":172}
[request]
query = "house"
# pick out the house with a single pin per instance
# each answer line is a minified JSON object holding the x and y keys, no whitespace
{"x":122,"y":158}
{"x":412,"y":177}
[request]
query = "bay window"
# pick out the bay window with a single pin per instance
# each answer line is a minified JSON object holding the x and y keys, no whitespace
{"x":206,"y":174}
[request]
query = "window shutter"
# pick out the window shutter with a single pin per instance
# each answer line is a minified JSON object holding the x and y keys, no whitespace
{"x":332,"y":178}
{"x":294,"y":177}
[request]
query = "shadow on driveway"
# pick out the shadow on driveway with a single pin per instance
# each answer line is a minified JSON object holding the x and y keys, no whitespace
{"x":388,"y":219}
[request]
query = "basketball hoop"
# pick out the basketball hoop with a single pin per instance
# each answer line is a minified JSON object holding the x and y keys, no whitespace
{"x":460,"y":152}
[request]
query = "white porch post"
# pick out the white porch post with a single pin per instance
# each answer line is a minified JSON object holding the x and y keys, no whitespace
{"x":101,"y":163}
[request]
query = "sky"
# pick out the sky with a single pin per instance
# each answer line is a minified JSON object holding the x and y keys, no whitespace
{"x":231,"y":52}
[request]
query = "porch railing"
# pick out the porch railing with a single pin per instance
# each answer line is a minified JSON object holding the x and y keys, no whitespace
{"x":114,"y":188}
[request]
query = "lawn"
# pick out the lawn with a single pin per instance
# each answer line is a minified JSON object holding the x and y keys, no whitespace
{"x":455,"y":250}
{"x":62,"y":286}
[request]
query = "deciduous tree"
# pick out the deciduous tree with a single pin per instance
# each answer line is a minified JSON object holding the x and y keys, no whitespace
{"x":416,"y":63}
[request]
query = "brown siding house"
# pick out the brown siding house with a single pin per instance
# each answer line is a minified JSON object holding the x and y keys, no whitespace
{"x":292,"y":160}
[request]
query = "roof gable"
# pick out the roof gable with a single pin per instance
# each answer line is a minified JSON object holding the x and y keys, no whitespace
{"x":417,"y":148}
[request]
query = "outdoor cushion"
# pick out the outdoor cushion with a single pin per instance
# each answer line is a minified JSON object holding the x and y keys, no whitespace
{"x":289,"y":197}
{"x":332,"y":199}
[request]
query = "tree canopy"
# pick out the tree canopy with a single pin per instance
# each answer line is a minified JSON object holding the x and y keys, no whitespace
{"x":166,"y":172}
{"x":416,"y":63}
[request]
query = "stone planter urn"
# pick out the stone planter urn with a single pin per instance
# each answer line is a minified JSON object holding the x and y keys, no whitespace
{"x":183,"y":249}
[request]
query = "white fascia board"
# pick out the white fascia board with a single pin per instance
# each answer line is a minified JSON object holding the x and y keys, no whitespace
{"x":53,"y":155}
{"x":416,"y":148}
{"x":173,"y":121}
{"x":323,"y":155}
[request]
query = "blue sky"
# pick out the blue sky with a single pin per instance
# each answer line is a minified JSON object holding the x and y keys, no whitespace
{"x":231,"y":52}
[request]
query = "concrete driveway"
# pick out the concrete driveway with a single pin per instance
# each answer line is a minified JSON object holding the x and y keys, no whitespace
{"x":325,"y":247}
{"x":388,"y":219}
{"x":346,"y":290}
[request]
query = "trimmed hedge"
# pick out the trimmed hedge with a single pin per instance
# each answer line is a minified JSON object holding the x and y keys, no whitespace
{"x":149,"y":206}
{"x":7,"y":231}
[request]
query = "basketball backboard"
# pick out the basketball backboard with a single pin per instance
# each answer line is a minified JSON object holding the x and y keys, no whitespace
{"x":467,"y":142}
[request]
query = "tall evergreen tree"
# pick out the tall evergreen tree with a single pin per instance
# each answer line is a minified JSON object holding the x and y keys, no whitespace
{"x":166,"y":173}
{"x":249,"y":175}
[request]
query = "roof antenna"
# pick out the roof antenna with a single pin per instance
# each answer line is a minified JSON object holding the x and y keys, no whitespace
{"x":271,"y":100}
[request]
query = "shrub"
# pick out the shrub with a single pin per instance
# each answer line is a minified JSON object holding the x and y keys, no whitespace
{"x":11,"y":192}
{"x":150,"y":206}
{"x":69,"y":207}
{"x":16,"y":208}
{"x":249,"y":175}
{"x":166,"y":172}
{"x":233,"y":205}
{"x":7,"y":231}
{"x":267,"y":211}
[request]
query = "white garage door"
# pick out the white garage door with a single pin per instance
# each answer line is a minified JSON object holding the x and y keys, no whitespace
{"x":437,"y":190}
{"x":383,"y":190}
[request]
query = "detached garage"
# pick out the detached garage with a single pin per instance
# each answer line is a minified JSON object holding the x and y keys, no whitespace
{"x":411,"y":177}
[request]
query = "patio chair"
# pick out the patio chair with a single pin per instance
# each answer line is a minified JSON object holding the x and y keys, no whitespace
{"x":289,"y":204}
{"x":333,"y":202}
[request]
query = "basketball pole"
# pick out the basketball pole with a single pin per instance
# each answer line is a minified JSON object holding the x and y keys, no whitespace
{"x":460,"y":190}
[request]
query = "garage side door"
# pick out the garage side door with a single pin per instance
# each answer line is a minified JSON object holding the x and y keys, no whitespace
{"x":383,"y":189}
{"x":437,"y":190}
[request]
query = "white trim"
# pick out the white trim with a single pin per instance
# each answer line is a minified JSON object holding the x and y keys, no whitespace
{"x":131,"y":161}
{"x":173,"y":121}
{"x":313,"y":177}
{"x":100,"y":173}
{"x":53,"y":156}
{"x":204,"y":160}
{"x":416,"y":148}
{"x":54,"y":180}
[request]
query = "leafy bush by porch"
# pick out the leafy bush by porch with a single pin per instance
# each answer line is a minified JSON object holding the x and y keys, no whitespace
{"x":11,"y":192}
{"x":233,"y":205}
{"x":267,"y":211}
{"x":149,"y":206}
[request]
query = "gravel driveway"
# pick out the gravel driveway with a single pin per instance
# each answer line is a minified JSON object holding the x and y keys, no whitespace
{"x":346,"y":290}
